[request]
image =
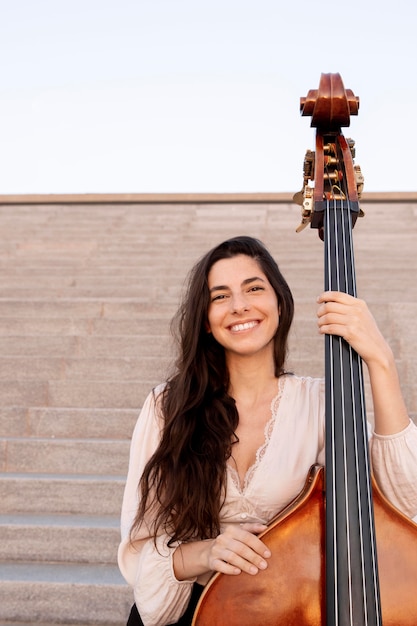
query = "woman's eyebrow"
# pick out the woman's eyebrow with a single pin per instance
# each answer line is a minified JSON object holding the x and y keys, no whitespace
{"x":247,"y":281}
{"x":219,"y":288}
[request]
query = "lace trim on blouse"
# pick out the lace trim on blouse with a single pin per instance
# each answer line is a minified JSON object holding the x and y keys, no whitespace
{"x":260,"y":453}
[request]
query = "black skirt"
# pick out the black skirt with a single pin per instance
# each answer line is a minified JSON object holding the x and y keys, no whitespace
{"x":185,"y":620}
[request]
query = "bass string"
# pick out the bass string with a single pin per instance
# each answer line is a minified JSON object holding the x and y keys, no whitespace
{"x":344,"y":280}
{"x":348,"y":374}
{"x":333,"y":283}
{"x":360,"y":422}
{"x":361,"y":434}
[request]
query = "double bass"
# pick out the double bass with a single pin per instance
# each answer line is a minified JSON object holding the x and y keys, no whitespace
{"x":342,"y":555}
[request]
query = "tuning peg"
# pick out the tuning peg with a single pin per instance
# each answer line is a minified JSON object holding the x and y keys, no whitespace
{"x":298,"y":198}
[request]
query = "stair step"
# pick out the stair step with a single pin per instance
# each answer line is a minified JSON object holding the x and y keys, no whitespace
{"x":68,"y":423}
{"x":88,"y":394}
{"x":54,"y":623}
{"x":84,"y":307}
{"x":70,"y":494}
{"x":106,"y":292}
{"x":94,"y":369}
{"x":81,"y":327}
{"x":24,"y":393}
{"x":62,"y":573}
{"x":72,"y":593}
{"x":64,"y":456}
{"x":63,"y":538}
{"x":56,"y":346}
{"x":77,"y":393}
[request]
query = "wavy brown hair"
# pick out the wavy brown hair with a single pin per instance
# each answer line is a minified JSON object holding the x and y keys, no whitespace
{"x":183,"y":483}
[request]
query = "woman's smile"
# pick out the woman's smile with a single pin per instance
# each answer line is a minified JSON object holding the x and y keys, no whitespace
{"x":239,"y":327}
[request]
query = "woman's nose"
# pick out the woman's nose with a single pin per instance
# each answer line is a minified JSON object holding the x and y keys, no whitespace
{"x":239,"y":304}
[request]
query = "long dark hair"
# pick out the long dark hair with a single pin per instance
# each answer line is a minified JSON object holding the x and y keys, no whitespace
{"x":183,"y":483}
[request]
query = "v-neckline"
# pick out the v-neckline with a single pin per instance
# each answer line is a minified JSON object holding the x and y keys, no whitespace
{"x":261,"y":451}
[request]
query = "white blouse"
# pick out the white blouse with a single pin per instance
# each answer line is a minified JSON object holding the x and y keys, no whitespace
{"x":294,"y":441}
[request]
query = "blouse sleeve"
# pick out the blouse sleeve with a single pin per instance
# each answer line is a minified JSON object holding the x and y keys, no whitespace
{"x":394,"y":463}
{"x":160,"y":598}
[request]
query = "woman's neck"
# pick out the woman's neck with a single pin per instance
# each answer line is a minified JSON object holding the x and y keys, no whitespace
{"x":250,"y":379}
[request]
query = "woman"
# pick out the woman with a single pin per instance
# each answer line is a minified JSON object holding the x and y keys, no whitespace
{"x":228,"y":441}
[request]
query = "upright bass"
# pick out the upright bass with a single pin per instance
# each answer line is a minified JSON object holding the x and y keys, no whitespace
{"x":342,"y":555}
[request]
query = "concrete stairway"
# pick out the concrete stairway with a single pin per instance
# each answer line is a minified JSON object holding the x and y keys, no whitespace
{"x":86,"y":295}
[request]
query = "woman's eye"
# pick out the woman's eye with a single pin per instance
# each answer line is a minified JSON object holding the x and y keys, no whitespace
{"x":221,"y":296}
{"x":256,"y":288}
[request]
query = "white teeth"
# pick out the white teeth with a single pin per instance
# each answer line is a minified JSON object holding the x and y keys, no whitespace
{"x":245,"y":326}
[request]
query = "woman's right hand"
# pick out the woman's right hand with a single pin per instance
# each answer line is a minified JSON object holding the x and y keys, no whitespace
{"x":238,"y":549}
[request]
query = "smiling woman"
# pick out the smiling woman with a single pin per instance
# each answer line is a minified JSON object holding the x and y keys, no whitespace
{"x":227,"y":442}
{"x":243,"y":313}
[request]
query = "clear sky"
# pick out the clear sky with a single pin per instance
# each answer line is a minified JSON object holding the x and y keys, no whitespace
{"x":131,"y":96}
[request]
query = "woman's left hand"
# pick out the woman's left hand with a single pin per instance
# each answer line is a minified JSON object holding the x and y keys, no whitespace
{"x":349,"y":317}
{"x":346,"y":316}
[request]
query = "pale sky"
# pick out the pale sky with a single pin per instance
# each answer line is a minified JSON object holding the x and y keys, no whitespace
{"x":172,"y":96}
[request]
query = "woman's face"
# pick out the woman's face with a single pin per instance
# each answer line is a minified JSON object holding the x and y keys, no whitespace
{"x":243,"y":313}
